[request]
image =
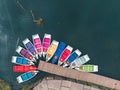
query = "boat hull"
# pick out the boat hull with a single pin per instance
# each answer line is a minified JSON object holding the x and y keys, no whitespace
{"x":72,"y":57}
{"x":67,"y":51}
{"x":37,"y":44}
{"x":58,"y":52}
{"x":19,"y":68}
{"x":51,"y":50}
{"x":46,"y":43}
{"x":21,"y":61}
{"x":26,"y":76}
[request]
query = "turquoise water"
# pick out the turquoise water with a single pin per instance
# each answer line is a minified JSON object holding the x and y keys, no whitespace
{"x":92,"y":26}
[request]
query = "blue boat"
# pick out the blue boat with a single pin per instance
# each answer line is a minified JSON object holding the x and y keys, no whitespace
{"x":26,"y":76}
{"x":21,"y":61}
{"x":58,"y":52}
{"x":72,"y":57}
{"x":30,"y":47}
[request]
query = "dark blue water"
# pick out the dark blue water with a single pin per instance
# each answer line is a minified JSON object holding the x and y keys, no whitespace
{"x":92,"y":26}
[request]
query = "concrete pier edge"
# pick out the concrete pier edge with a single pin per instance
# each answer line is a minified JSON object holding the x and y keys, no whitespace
{"x":88,"y":78}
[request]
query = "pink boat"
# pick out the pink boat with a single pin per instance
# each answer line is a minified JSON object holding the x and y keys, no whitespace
{"x":24,"y":53}
{"x":37,"y":44}
{"x":46,"y":43}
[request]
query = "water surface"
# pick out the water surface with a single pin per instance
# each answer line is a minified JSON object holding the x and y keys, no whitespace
{"x":91,"y":26}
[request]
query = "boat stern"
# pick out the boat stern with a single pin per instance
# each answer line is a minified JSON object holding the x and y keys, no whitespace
{"x":86,"y":57}
{"x":55,"y":42}
{"x":78,"y":52}
{"x":25,"y":41}
{"x":19,"y":79}
{"x":65,"y":65}
{"x":31,"y":63}
{"x":59,"y":63}
{"x":95,"y":68}
{"x":44,"y":54}
{"x":47,"y":35}
{"x":36,"y":72}
{"x":40,"y":54}
{"x":36,"y":56}
{"x":19,"y":48}
{"x":69,"y":48}
{"x":47,"y":59}
{"x":35,"y":36}
{"x":13,"y":59}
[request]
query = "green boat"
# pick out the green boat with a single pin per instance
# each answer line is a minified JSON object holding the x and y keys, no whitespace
{"x":88,"y":68}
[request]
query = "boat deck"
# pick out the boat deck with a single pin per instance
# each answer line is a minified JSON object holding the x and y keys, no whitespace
{"x":74,"y":74}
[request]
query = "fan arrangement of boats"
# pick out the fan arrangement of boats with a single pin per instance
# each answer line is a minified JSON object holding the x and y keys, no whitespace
{"x":55,"y":52}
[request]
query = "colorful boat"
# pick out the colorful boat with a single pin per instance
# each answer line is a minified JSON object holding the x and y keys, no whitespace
{"x":20,"y":68}
{"x":46,"y":43}
{"x":79,"y":61}
{"x":24,"y":53}
{"x":58,"y":52}
{"x":21,"y":61}
{"x":51,"y":50}
{"x":67,"y":51}
{"x":26,"y":76}
{"x":37,"y":44}
{"x":88,"y":68}
{"x":72,"y":57}
{"x":30,"y":47}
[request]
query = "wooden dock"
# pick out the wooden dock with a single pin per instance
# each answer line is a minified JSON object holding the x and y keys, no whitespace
{"x":74,"y":74}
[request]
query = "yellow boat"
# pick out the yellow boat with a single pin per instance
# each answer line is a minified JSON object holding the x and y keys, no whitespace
{"x":51,"y":50}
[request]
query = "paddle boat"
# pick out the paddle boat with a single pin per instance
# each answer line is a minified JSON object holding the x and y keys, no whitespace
{"x":67,"y":51}
{"x":79,"y":61}
{"x":51,"y":50}
{"x":72,"y":57}
{"x":26,"y":76}
{"x":88,"y":68}
{"x":30,"y":47}
{"x":20,"y":68}
{"x":58,"y":52}
{"x":21,"y":61}
{"x":24,"y":53}
{"x":46,"y":43}
{"x":37,"y":44}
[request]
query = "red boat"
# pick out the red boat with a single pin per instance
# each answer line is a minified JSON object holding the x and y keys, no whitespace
{"x":67,"y":51}
{"x":20,"y":68}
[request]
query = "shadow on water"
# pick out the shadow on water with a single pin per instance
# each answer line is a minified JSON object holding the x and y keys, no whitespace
{"x":91,"y":26}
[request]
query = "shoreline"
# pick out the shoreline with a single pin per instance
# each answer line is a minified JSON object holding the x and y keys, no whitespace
{"x":53,"y":78}
{"x":5,"y":85}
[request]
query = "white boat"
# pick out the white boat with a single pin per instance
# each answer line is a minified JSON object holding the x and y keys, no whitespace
{"x":88,"y":68}
{"x":46,"y":43}
{"x":37,"y":44}
{"x":51,"y":50}
{"x":21,"y":61}
{"x":26,"y":76}
{"x":79,"y":61}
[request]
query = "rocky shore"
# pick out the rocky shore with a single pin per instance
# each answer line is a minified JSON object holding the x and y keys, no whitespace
{"x":4,"y":85}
